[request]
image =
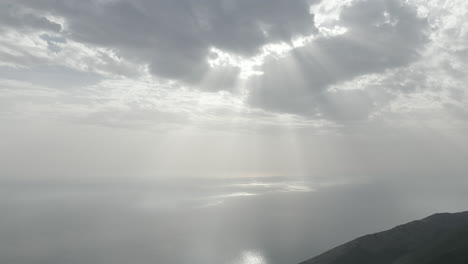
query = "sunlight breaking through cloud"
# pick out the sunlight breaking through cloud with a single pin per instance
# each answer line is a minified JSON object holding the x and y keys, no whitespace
{"x":225,"y":131}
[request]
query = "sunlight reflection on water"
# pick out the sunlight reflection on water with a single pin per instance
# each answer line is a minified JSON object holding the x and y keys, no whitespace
{"x":251,"y":257}
{"x":216,"y":192}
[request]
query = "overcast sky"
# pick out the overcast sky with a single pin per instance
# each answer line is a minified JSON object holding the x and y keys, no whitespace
{"x":225,"y":131}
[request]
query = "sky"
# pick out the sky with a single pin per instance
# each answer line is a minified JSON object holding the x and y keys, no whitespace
{"x":225,"y":131}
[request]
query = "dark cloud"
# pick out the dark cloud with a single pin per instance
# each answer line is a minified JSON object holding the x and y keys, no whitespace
{"x":175,"y":37}
{"x":380,"y":35}
{"x":13,"y":17}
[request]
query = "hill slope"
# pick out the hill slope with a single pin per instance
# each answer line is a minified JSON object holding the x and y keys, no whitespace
{"x":437,"y":239}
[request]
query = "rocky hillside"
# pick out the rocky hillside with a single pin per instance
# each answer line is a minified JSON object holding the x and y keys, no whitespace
{"x":437,"y":239}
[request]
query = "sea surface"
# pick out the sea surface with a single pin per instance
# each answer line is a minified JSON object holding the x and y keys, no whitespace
{"x":263,"y":220}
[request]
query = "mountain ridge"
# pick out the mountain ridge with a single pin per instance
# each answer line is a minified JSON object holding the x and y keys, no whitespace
{"x":435,"y":239}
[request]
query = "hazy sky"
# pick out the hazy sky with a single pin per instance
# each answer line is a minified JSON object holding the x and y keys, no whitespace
{"x":225,"y":131}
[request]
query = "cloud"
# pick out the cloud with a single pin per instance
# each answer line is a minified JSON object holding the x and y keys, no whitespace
{"x":174,"y":38}
{"x":221,"y":78}
{"x":380,"y":35}
{"x":20,"y":19}
{"x":50,"y":76}
{"x":377,"y":41}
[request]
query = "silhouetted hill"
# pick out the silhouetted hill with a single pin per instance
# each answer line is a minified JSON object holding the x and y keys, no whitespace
{"x":437,"y":239}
